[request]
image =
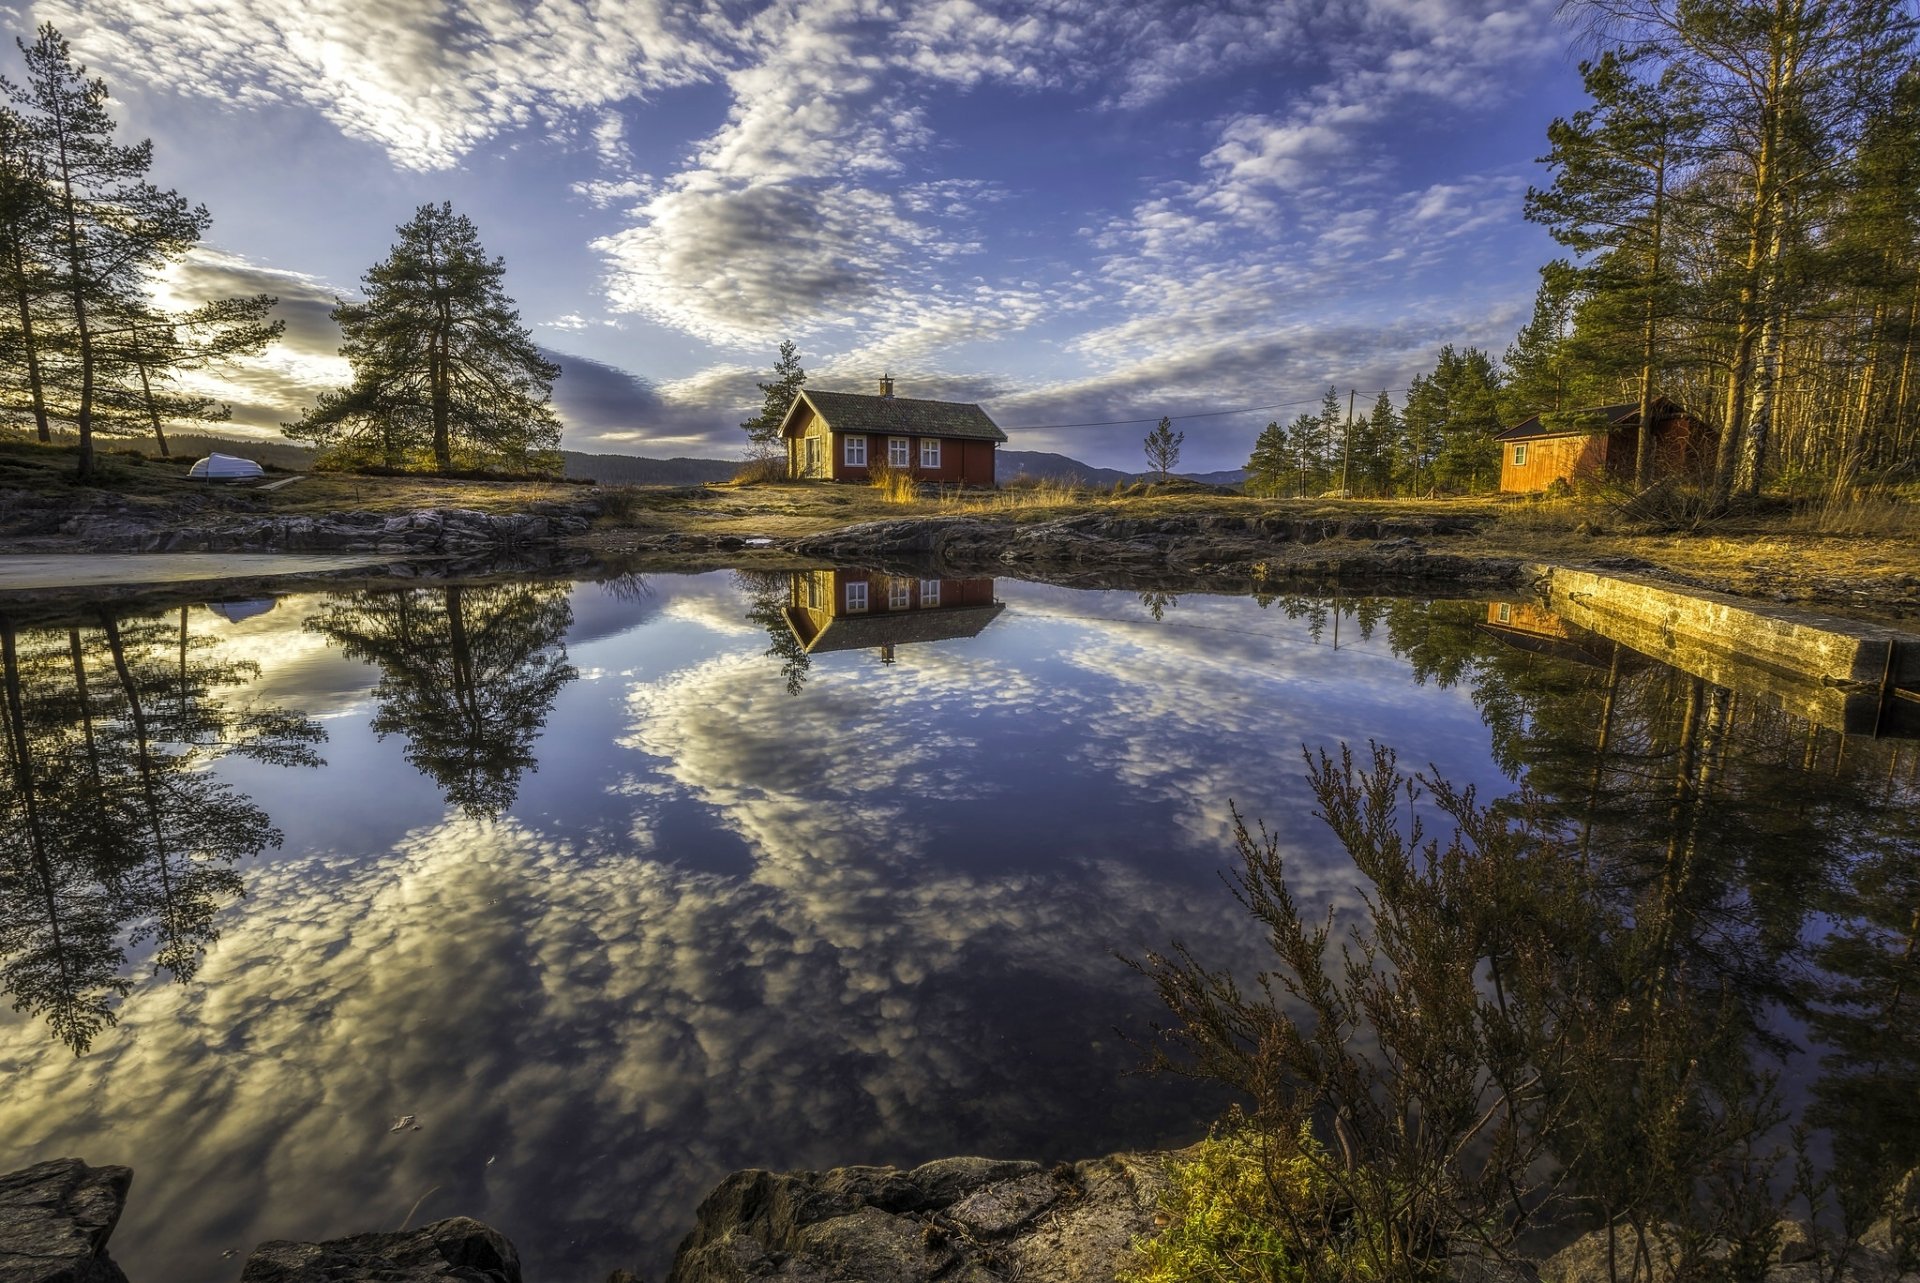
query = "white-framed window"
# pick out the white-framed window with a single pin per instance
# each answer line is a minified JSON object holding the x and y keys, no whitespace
{"x":899,"y":594}
{"x":899,"y":452}
{"x":929,"y":592}
{"x":930,"y":452}
{"x":856,"y":598}
{"x":856,"y":452}
{"x":1519,"y":456}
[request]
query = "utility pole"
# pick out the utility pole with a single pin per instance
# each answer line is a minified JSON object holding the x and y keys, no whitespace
{"x":1346,"y":446}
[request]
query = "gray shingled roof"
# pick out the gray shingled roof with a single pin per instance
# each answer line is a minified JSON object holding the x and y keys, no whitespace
{"x":902,"y":416}
{"x":897,"y":627}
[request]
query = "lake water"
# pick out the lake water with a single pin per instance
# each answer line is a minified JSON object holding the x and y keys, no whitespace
{"x":552,"y":903}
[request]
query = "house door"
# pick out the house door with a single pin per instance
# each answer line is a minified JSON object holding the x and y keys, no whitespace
{"x":813,"y":457}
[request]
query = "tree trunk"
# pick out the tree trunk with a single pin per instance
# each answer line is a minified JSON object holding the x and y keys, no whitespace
{"x":442,"y":377}
{"x":1649,"y":337}
{"x":146,"y":391}
{"x":76,"y":288}
{"x":31,"y":346}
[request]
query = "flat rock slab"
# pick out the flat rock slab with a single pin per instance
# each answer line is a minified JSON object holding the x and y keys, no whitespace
{"x":456,"y":1250}
{"x":119,"y":570}
{"x":55,"y":1218}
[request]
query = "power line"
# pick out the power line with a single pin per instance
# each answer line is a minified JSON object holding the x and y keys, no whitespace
{"x":1177,"y":418}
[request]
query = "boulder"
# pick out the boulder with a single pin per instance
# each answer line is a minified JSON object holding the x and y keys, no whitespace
{"x":954,"y":1219}
{"x":457,"y":1249}
{"x":55,"y":1219}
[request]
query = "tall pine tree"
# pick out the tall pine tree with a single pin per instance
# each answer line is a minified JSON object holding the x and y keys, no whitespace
{"x":442,"y":368}
{"x":109,"y":226}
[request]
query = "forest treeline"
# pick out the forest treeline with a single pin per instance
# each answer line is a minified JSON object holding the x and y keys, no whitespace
{"x":1740,"y":201}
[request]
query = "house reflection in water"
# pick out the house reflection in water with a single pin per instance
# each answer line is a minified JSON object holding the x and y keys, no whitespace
{"x":863,"y":609}
{"x":1537,"y":629}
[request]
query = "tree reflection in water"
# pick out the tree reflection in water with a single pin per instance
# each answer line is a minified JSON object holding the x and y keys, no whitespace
{"x":113,"y":833}
{"x":468,"y":676}
{"x":1743,"y":874}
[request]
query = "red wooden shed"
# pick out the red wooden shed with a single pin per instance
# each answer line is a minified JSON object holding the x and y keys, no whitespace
{"x":1600,"y":442}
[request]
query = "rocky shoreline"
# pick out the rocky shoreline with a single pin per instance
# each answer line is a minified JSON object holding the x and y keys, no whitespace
{"x":955,"y":1220}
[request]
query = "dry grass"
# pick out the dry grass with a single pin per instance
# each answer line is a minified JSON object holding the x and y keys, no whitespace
{"x":1027,"y":496}
{"x":893,"y":485}
{"x":760,"y":472}
{"x":49,"y":469}
{"x":1866,"y":513}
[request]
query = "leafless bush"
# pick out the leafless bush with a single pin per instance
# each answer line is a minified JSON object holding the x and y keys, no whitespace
{"x":1503,"y":1040}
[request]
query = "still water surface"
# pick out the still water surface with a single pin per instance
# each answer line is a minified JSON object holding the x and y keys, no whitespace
{"x":607,"y":889}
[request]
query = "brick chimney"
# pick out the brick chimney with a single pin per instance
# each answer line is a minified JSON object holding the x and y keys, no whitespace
{"x":886,"y":386}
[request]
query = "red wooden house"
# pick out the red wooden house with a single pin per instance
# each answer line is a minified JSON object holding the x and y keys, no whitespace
{"x":840,"y":436}
{"x":864,"y":609}
{"x":1600,"y":443}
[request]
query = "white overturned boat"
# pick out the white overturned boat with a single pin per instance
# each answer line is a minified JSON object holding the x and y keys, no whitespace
{"x":225,"y":467}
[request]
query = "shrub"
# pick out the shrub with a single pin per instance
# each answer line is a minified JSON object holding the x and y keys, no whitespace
{"x":760,"y":472}
{"x":1219,"y":1213}
{"x":1504,"y":1037}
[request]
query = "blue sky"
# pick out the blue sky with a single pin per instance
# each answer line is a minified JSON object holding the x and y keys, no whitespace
{"x":1072,"y":211}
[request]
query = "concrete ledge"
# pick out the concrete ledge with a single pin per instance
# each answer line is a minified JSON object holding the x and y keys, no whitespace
{"x":1842,"y":673}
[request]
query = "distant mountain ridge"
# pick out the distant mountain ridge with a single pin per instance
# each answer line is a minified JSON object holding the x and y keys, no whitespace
{"x":638,"y":470}
{"x":1059,"y":467}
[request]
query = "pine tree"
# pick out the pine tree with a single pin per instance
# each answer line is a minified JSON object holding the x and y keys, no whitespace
{"x":144,"y":361}
{"x":26,"y":227}
{"x":1419,"y":436}
{"x":1163,"y":448}
{"x":1307,"y":443}
{"x":1371,"y":469}
{"x":1616,"y":164}
{"x":1270,"y":466}
{"x":110,"y":226}
{"x":763,"y":429}
{"x":1543,"y":366}
{"x":1467,"y":387}
{"x":442,"y":367}
{"x":1333,"y":434}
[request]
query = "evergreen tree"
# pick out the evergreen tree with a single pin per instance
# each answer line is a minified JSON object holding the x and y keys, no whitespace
{"x":1370,"y":471}
{"x":1616,"y":164}
{"x":442,"y":367}
{"x":1163,"y":448}
{"x":1333,"y":436}
{"x":1306,"y":441}
{"x":1419,"y":438}
{"x":1270,"y":467}
{"x":1543,"y":372}
{"x":763,"y":429}
{"x":110,"y":227}
{"x":26,"y":229}
{"x":1465,"y":388}
{"x":152,"y":351}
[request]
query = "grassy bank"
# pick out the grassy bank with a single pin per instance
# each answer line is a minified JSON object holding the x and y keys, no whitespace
{"x":162,"y":485}
{"x":1858,"y":552}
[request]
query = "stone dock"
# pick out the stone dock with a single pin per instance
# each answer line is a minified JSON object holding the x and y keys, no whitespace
{"x":1857,"y":677}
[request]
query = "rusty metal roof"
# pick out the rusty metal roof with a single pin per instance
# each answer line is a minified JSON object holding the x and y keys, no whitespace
{"x":1595,"y":418}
